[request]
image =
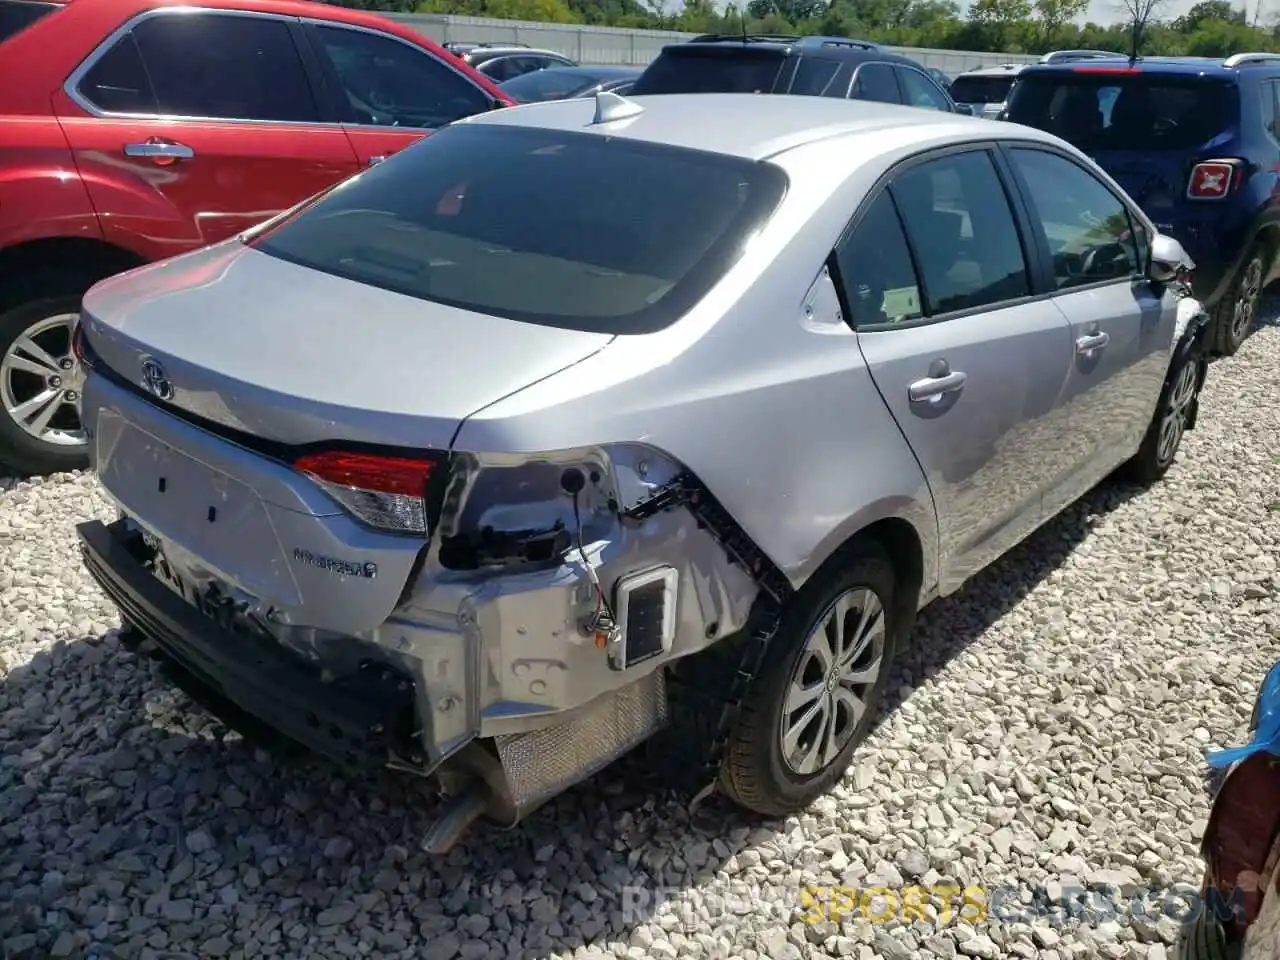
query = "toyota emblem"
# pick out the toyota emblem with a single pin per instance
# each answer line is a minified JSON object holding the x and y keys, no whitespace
{"x":156,"y":380}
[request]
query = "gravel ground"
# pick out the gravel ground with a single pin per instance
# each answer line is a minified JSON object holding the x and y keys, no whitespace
{"x":1047,"y":732}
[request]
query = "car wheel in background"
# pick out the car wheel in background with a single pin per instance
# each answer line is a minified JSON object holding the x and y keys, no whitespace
{"x":819,"y":688}
{"x":1233,"y":316}
{"x":40,"y":383}
{"x":1175,"y":413}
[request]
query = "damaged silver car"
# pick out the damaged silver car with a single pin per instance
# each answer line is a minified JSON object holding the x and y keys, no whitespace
{"x":598,"y":422}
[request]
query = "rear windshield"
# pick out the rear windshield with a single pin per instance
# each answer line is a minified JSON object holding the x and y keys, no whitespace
{"x":711,"y":71}
{"x":549,"y":84}
{"x":16,"y":15}
{"x":1126,"y":111}
{"x":980,"y":89}
{"x":562,"y":229}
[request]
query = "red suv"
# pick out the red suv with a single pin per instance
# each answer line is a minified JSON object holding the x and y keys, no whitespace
{"x":132,"y":130}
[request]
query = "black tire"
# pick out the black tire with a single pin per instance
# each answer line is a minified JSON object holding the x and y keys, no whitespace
{"x":1205,"y":939}
{"x":755,"y":775}
{"x":1175,"y":414}
{"x":18,"y":448}
{"x":1234,"y":314}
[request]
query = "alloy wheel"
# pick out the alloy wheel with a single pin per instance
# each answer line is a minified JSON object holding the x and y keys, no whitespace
{"x":838,"y":666}
{"x":1174,"y":422}
{"x":1247,"y":299}
{"x":41,"y":380}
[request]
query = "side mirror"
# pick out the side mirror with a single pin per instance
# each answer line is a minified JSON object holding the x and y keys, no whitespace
{"x":1168,"y":259}
{"x":964,"y":108}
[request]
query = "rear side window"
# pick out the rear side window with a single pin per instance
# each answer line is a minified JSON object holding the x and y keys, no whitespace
{"x":819,"y":78}
{"x":1140,"y":111}
{"x":391,"y":84}
{"x":715,"y":71}
{"x":875,"y":81}
{"x":962,"y":230}
{"x":214,"y":65}
{"x":550,"y":227}
{"x":17,"y":15}
{"x":980,"y":89}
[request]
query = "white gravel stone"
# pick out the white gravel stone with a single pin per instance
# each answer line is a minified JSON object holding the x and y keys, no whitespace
{"x":1047,"y":729}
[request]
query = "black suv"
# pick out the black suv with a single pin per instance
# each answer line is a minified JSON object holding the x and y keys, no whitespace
{"x":806,"y":66}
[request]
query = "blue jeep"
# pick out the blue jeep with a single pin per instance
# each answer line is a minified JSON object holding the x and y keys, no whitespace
{"x":1196,"y":143}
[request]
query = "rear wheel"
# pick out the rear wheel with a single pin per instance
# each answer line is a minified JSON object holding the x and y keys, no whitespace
{"x":40,"y":383}
{"x":1234,"y":314}
{"x":818,"y":690}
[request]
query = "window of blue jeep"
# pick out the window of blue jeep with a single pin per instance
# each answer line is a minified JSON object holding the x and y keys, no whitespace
{"x":1143,"y":112}
{"x":981,"y":89}
{"x":17,"y":15}
{"x":962,"y":231}
{"x":558,"y":228}
{"x":1088,"y":230}
{"x":876,"y":273}
{"x":712,"y":69}
{"x":1269,"y":96}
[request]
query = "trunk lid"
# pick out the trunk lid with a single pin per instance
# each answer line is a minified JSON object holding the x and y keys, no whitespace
{"x":296,"y":356}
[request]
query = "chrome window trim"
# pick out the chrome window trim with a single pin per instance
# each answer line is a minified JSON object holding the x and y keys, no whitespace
{"x":72,"y":85}
{"x":421,"y":51}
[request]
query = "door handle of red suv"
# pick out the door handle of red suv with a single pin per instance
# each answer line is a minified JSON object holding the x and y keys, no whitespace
{"x":162,"y":151}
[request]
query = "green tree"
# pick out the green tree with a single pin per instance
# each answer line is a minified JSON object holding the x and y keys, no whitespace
{"x":1053,"y":15}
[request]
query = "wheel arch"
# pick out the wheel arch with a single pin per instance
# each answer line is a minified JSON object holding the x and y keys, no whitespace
{"x":41,"y":264}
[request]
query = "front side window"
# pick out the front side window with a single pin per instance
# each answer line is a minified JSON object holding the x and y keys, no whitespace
{"x":224,"y":66}
{"x":1087,"y":228}
{"x":876,"y":272}
{"x":963,"y":232}
{"x":919,"y":91}
{"x":550,"y":227}
{"x":875,"y":81}
{"x":387,"y":83}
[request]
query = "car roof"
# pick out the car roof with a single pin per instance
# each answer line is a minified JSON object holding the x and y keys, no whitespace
{"x":492,"y":53}
{"x":748,"y":125}
{"x":603,"y":72}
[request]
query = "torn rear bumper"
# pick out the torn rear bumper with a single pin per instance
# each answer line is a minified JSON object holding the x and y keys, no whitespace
{"x":352,"y":720}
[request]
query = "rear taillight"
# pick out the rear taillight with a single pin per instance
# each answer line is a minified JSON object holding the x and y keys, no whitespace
{"x":1213,"y":179}
{"x":386,"y":492}
{"x":79,"y":346}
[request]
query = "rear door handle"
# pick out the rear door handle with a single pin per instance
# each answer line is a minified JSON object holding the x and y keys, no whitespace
{"x":374,"y":161}
{"x":159,"y":150}
{"x":934,"y":388}
{"x":1091,"y":342}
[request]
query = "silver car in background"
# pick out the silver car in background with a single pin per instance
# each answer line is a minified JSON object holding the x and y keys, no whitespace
{"x":600,"y":421}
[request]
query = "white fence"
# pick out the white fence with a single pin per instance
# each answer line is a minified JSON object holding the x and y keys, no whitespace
{"x":599,"y":45}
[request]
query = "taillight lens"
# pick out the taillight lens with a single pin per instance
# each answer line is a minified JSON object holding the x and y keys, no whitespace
{"x":79,"y":346}
{"x":1212,"y":179}
{"x":386,"y":492}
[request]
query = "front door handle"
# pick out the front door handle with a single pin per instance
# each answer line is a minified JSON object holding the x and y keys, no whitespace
{"x":162,"y":151}
{"x":935,"y":388}
{"x":1092,"y":342}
